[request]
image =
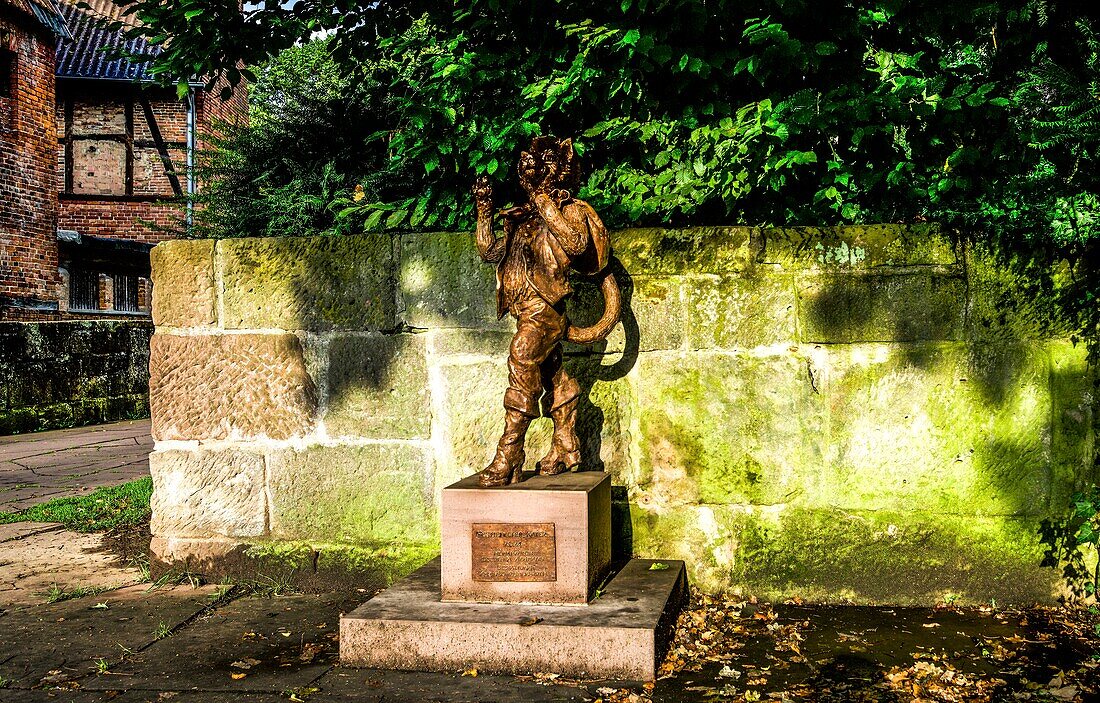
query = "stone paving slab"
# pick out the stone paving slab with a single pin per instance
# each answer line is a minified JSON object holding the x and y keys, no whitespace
{"x":22,"y":530}
{"x":36,"y":556}
{"x":68,"y":637}
{"x":45,"y":465}
{"x":342,"y":684}
{"x":270,"y":644}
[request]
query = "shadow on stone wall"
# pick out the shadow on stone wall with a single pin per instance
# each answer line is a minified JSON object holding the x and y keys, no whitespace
{"x":1000,"y":381}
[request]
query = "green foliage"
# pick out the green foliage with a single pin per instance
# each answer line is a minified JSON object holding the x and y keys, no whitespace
{"x":305,"y":145}
{"x":978,"y":114}
{"x":1073,"y":542}
{"x":103,"y":509}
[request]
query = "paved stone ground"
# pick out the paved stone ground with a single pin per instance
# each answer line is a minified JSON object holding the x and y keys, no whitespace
{"x":43,"y":465}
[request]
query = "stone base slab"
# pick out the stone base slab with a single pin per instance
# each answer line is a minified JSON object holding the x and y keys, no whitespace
{"x":620,"y":635}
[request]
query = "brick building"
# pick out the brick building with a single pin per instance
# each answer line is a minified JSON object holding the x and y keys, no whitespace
{"x":95,"y":161}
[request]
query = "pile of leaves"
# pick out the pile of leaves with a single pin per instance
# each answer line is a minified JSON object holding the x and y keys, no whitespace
{"x":734,"y":649}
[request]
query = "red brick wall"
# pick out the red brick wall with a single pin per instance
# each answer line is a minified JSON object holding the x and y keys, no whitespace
{"x":28,"y":200}
{"x":118,"y":219}
{"x":213,"y":110}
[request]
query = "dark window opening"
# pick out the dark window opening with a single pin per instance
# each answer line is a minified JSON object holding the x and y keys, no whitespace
{"x":126,"y":293}
{"x":83,"y":290}
{"x":7,"y":73}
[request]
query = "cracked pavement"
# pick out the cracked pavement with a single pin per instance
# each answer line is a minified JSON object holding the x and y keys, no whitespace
{"x":38,"y":467}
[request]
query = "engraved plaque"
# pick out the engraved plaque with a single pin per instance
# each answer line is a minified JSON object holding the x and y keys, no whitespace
{"x":513,"y":551}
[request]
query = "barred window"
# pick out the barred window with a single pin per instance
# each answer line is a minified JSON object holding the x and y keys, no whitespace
{"x":126,"y":293}
{"x":83,"y":290}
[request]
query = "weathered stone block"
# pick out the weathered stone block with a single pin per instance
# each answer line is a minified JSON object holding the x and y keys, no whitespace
{"x":208,"y":493}
{"x":183,"y":283}
{"x":604,"y":413}
{"x":857,"y":246}
{"x":230,"y":386}
{"x":472,"y":398}
{"x":754,"y":309}
{"x":308,"y":283}
{"x":725,"y":428}
{"x":654,"y":315}
{"x":715,"y":250}
{"x":353,"y":493}
{"x":444,"y":283}
{"x":378,"y":387}
{"x":941,"y":428}
{"x":1007,"y":304}
{"x":447,"y":343}
{"x":844,"y":308}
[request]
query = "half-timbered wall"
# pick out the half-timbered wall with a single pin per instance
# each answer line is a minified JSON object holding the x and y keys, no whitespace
{"x":122,"y":152}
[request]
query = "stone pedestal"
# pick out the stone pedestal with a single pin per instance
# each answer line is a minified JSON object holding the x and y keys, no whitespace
{"x":515,"y":590}
{"x":620,"y":635}
{"x":544,"y":540}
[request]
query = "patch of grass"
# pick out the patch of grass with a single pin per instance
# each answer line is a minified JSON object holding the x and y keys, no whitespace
{"x":141,"y":563}
{"x":105,"y":509}
{"x":267,"y":586}
{"x":162,"y":631}
{"x":56,"y":594}
{"x":174,"y":577}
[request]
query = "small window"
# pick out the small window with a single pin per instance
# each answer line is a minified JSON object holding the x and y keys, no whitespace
{"x":126,"y":293}
{"x":7,"y":73}
{"x":83,"y":290}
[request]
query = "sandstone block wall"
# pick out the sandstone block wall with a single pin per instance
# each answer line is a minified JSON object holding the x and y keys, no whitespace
{"x":869,"y":413}
{"x":69,"y":373}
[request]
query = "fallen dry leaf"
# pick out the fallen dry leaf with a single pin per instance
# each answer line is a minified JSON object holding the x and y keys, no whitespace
{"x":246,"y":663}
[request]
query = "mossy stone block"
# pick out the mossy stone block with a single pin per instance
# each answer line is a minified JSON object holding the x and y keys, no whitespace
{"x":844,"y":308}
{"x":1007,"y":304}
{"x":308,"y":283}
{"x":367,"y":493}
{"x":444,"y":283}
{"x":378,"y":387}
{"x":753,"y":309}
{"x":1075,"y":421}
{"x":654,"y":315}
{"x":605,"y":413}
{"x":715,"y":250}
{"x":727,"y":428}
{"x":883,"y":557}
{"x":861,"y":557}
{"x":857,"y":247}
{"x":941,"y":428}
{"x":183,"y":283}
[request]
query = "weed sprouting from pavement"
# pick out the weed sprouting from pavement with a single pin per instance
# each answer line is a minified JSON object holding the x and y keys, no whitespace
{"x":57,"y":593}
